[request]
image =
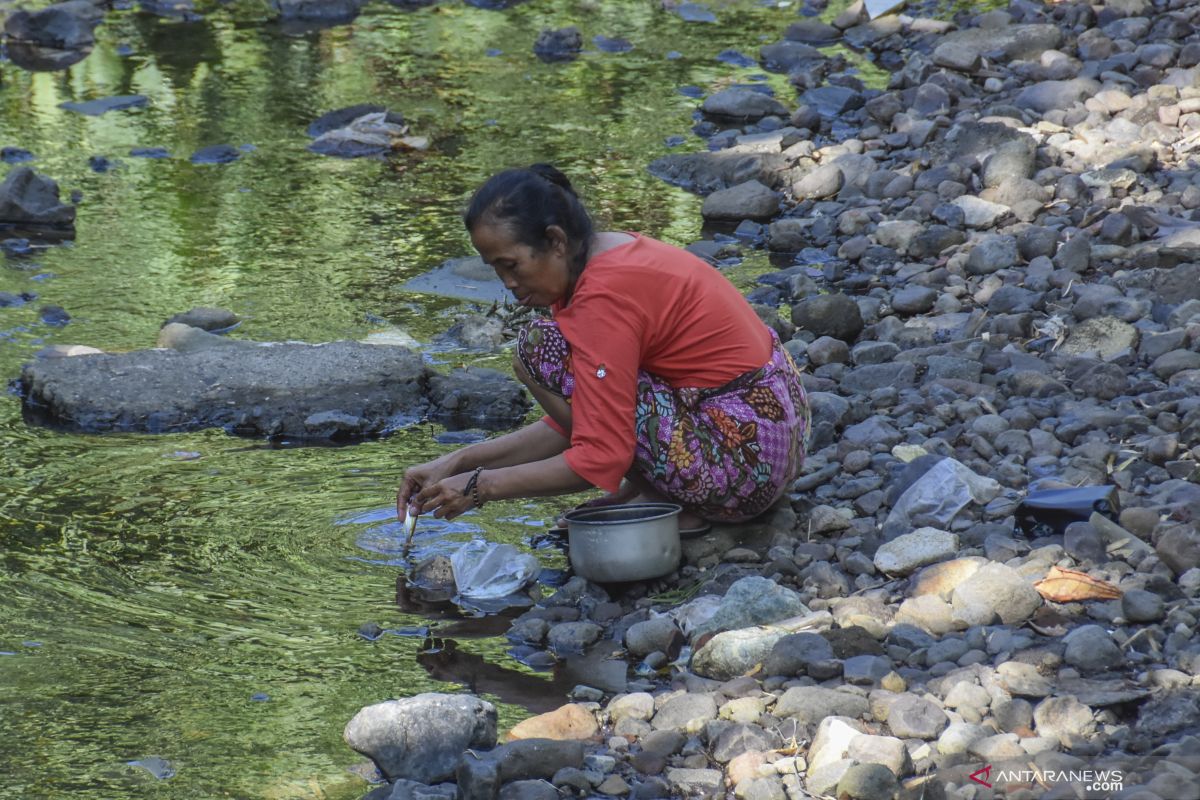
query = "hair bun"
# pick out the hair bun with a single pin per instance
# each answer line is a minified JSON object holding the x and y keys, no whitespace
{"x":551,"y":173}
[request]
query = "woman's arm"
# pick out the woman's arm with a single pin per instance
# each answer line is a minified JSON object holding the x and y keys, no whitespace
{"x":535,"y":442}
{"x":449,"y":497}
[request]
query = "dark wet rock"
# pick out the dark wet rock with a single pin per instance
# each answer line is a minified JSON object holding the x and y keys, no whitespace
{"x":811,"y":31}
{"x":56,"y":316}
{"x":333,"y":391}
{"x":94,"y":108}
{"x":423,"y":737}
{"x":705,"y":173}
{"x":216,"y":154}
{"x":10,"y":300}
{"x":749,"y":200}
{"x":30,"y":200}
{"x":326,"y":11}
{"x":209,"y":319}
{"x":1091,"y":649}
{"x":563,"y":44}
{"x":833,"y":315}
{"x":476,"y":397}
{"x":739,"y":103}
{"x":833,"y":101}
{"x":787,"y":56}
{"x":66,"y":26}
{"x":43,"y":59}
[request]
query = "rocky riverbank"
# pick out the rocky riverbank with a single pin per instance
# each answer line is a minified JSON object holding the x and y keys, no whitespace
{"x":994,"y":287}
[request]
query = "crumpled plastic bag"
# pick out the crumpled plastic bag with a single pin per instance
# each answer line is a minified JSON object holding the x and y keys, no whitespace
{"x":486,"y":570}
{"x":369,"y":135}
{"x":937,"y":496}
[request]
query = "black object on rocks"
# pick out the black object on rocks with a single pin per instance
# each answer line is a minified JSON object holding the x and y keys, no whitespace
{"x":563,"y":44}
{"x":1050,"y":511}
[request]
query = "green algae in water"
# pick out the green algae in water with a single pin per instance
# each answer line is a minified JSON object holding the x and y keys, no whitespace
{"x":155,"y":589}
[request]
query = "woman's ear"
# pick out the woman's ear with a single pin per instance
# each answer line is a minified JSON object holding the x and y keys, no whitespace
{"x":556,"y":239}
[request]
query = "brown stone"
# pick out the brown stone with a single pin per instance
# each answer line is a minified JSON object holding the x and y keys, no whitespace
{"x":744,"y":767}
{"x":571,"y":721}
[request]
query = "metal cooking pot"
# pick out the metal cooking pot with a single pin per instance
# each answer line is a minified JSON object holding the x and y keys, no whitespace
{"x":632,"y":542}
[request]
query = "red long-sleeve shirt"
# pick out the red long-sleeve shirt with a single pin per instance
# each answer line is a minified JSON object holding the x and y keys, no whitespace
{"x":647,"y":305}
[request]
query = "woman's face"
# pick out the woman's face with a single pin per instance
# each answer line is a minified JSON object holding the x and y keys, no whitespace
{"x":536,"y":278}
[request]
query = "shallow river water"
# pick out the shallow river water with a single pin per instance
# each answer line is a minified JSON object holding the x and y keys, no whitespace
{"x":197,"y":598}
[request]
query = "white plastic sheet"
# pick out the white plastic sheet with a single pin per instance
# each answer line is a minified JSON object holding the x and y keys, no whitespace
{"x":938,"y":495}
{"x":487,"y":571}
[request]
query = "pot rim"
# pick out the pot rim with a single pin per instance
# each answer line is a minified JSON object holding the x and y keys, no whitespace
{"x":596,"y":515}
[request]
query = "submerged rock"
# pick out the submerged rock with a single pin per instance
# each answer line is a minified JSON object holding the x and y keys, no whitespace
{"x":94,"y":108}
{"x":28,"y":199}
{"x":563,"y":44}
{"x":65,"y":26}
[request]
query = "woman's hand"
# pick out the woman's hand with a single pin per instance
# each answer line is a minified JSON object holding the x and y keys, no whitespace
{"x":446,"y":498}
{"x":417,"y":478}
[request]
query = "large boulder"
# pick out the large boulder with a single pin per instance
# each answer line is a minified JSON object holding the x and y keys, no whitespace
{"x":422,"y":738}
{"x":65,"y":26}
{"x":749,"y":200}
{"x":30,"y":200}
{"x":338,"y":390}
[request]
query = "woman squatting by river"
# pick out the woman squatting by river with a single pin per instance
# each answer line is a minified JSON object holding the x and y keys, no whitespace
{"x":658,"y":380}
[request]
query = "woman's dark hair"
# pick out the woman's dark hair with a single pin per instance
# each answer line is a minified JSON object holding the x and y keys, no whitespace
{"x":528,"y":201}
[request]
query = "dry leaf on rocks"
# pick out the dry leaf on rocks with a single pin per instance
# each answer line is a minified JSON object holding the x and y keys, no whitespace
{"x":1070,"y":586}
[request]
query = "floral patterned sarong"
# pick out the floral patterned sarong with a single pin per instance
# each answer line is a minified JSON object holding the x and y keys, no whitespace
{"x":725,"y":453}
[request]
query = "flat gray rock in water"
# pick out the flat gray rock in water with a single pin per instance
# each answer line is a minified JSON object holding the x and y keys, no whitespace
{"x":337,"y":390}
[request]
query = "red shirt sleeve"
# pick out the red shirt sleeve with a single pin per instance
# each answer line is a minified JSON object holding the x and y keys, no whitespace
{"x":605,"y":332}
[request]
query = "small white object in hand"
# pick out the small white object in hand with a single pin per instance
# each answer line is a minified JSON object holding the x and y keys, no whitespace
{"x":410,"y":521}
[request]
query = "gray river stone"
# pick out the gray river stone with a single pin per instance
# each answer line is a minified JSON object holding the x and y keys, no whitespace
{"x":421,"y":738}
{"x":749,"y":200}
{"x":753,"y":601}
{"x":338,"y":390}
{"x":30,"y":199}
{"x":811,"y":704}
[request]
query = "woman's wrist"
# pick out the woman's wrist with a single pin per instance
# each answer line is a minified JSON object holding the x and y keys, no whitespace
{"x":485,"y":487}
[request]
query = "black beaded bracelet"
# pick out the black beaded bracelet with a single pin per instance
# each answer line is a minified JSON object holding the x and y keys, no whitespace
{"x":472,"y":487}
